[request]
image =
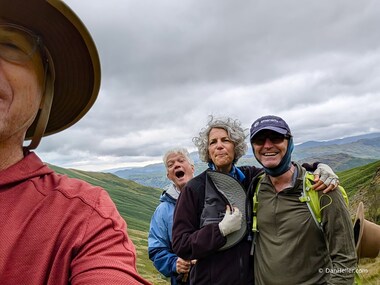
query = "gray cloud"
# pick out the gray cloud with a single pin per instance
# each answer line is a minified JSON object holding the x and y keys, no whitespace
{"x":167,"y":65}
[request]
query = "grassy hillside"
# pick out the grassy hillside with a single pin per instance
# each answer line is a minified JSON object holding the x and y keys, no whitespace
{"x":363,"y":184}
{"x":136,"y":203}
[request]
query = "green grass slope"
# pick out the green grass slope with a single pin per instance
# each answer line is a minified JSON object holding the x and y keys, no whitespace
{"x":363,"y":184}
{"x":134,"y":201}
{"x":136,"y":204}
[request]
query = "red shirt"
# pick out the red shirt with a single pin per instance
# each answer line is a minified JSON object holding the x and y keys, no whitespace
{"x":57,"y":230}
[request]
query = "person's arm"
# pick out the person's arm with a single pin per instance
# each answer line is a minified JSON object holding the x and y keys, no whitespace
{"x":159,"y":246}
{"x":337,"y":226}
{"x":106,"y":255}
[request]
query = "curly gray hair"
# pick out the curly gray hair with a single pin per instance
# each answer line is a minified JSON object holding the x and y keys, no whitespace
{"x":234,"y":130}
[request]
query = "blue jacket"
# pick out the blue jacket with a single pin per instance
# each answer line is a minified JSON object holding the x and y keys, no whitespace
{"x":160,"y":235}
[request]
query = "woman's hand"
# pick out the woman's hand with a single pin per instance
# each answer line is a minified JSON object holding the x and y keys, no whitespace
{"x":325,"y":179}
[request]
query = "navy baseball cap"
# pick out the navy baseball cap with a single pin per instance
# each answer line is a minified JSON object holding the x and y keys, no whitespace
{"x":272,"y":123}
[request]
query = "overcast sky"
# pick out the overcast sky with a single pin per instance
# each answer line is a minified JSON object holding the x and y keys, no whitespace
{"x":169,"y":64}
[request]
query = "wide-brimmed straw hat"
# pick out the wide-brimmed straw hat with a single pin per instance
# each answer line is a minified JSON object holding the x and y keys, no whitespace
{"x":367,"y":235}
{"x":75,"y":57}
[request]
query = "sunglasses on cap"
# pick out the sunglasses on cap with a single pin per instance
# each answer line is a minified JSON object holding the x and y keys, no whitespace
{"x":18,"y":44}
{"x":274,"y":137}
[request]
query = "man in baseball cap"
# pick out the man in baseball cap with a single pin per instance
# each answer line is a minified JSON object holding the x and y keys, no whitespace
{"x":287,"y":234}
{"x":53,"y":230}
{"x":272,"y":123}
{"x":276,"y":129}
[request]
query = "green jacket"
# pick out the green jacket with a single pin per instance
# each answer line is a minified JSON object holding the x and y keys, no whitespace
{"x":291,"y":249}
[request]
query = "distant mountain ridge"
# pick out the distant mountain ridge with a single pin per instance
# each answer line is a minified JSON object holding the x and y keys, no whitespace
{"x":340,"y":154}
{"x":341,"y":141}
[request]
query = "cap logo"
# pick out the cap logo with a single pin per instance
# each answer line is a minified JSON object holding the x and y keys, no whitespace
{"x":269,"y":120}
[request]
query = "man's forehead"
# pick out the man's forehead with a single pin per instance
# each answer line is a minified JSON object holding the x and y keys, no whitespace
{"x":175,"y":156}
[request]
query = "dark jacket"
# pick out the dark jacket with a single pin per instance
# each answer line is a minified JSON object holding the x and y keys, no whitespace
{"x":232,"y":266}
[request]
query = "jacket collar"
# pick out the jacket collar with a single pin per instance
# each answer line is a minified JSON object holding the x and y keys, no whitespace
{"x":29,"y":167}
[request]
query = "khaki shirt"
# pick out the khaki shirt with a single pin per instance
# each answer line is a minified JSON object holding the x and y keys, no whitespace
{"x":291,"y":249}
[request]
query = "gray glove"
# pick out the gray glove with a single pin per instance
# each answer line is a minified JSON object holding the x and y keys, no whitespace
{"x":326,"y":174}
{"x":231,"y":221}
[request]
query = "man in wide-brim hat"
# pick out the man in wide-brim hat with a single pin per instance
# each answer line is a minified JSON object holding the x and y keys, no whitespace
{"x":54,"y":230}
{"x":69,"y":57}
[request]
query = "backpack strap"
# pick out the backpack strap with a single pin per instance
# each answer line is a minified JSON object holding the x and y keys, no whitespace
{"x":256,"y":204}
{"x":312,"y":199}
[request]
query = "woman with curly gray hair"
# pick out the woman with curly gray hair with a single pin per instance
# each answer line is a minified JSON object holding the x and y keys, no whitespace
{"x":205,"y":219}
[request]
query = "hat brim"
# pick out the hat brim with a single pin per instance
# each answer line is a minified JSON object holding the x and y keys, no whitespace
{"x":236,"y":196}
{"x":275,"y":129}
{"x":366,"y":234}
{"x":74,"y":54}
{"x":358,"y":228}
